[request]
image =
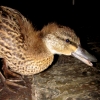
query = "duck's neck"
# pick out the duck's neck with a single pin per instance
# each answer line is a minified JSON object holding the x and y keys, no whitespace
{"x":36,"y":47}
{"x":38,"y":56}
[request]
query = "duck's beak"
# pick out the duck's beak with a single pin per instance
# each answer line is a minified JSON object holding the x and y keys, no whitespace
{"x":84,"y":56}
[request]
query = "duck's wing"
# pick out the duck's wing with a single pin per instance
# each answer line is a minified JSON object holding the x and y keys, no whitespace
{"x":14,"y":20}
{"x":14,"y":29}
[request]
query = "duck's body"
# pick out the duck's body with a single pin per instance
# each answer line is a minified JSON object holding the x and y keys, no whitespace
{"x":20,"y":45}
{"x":27,"y":51}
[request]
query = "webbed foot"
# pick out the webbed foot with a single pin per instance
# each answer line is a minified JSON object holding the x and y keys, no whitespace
{"x":10,"y":79}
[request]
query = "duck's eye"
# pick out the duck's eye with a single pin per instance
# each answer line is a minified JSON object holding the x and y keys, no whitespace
{"x":67,"y":40}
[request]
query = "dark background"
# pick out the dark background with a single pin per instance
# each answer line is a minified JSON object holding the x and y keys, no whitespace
{"x":40,"y":12}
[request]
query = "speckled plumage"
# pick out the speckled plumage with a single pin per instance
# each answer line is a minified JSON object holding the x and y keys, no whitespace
{"x":19,"y":44}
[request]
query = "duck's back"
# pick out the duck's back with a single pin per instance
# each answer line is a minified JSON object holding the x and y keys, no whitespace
{"x":11,"y":36}
{"x":11,"y":28}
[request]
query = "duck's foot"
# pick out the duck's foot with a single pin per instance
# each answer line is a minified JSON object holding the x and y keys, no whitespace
{"x":10,"y":79}
{"x":11,"y":85}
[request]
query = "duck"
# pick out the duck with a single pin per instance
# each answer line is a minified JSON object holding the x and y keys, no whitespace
{"x":27,"y":51}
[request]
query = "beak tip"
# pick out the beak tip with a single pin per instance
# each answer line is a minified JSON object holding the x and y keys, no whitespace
{"x":94,"y":59}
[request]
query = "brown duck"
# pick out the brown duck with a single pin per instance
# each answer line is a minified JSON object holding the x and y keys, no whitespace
{"x":26,"y":51}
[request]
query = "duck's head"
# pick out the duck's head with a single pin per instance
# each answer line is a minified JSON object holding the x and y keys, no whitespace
{"x":63,"y":40}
